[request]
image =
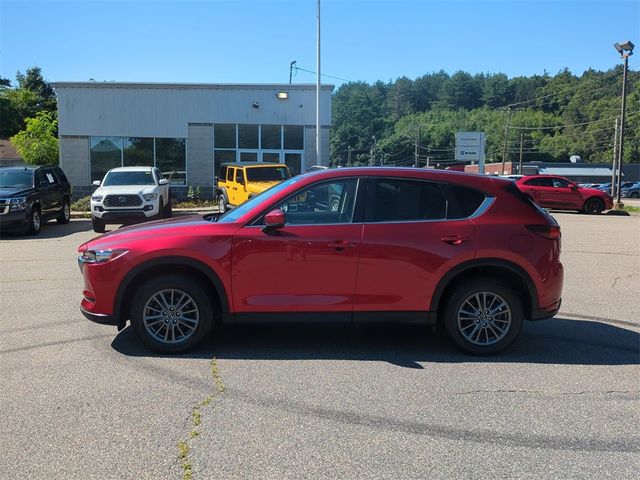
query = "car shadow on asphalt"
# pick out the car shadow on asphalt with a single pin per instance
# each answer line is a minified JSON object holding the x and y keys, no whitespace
{"x":555,"y":341}
{"x":51,"y":229}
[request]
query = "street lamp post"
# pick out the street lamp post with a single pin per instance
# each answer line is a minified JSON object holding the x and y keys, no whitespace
{"x":625,"y":50}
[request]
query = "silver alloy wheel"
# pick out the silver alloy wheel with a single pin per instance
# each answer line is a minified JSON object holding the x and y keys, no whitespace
{"x":171,"y":316}
{"x":66,"y":211}
{"x":484,"y":318}
{"x":35,"y":221}
{"x":222,"y":205}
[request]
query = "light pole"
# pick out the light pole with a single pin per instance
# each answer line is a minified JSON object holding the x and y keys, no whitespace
{"x":291,"y":67}
{"x":318,"y":150}
{"x":625,"y":50}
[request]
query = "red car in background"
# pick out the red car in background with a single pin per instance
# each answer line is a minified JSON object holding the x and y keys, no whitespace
{"x":550,"y":191}
{"x":467,"y":252}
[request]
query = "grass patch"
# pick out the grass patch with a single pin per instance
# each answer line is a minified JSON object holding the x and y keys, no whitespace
{"x":631,"y":209}
{"x":196,"y":422}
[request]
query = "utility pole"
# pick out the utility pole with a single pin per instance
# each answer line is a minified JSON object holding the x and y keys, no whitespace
{"x":615,"y":156}
{"x":416,"y":154}
{"x":291,"y":67}
{"x":506,"y":135}
{"x":520,"y":164}
{"x":318,"y":150}
{"x":372,"y":152}
{"x":349,"y":156}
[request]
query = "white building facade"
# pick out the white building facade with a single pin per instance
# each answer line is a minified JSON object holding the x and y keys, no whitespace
{"x":187,"y":130}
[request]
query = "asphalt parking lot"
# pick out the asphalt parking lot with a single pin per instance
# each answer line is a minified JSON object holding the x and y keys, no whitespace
{"x":82,"y":401}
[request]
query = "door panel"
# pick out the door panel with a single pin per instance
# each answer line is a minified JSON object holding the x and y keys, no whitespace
{"x":401,"y":263}
{"x":296,"y":268}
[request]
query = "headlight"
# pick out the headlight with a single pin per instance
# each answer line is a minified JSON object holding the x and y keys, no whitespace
{"x":18,"y":203}
{"x":96,"y":198}
{"x":99,"y":256}
{"x":150,"y":196}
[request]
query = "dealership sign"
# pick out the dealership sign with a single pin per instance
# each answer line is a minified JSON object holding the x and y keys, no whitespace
{"x":470,"y":147}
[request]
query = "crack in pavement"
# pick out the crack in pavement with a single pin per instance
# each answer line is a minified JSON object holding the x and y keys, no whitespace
{"x":613,"y":285}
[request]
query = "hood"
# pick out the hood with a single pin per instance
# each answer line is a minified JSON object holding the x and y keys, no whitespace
{"x":125,"y":189}
{"x":259,"y":187}
{"x":15,"y":191}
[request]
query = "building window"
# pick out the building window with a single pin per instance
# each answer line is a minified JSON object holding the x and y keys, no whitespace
{"x":170,"y":159}
{"x":137,"y":152}
{"x":105,"y":154}
{"x":224,"y":136}
{"x":248,"y":136}
{"x":294,"y":162}
{"x":293,"y":137}
{"x":270,"y":138}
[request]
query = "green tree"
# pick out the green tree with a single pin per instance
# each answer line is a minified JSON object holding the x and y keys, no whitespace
{"x":16,"y":105}
{"x":37,"y":144}
{"x":33,"y":81}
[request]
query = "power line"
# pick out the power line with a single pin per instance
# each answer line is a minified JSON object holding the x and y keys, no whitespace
{"x":570,"y":124}
{"x":296,"y":67}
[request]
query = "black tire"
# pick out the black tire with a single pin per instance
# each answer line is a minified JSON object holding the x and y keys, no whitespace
{"x":145,"y":300}
{"x":65,"y":213}
{"x":222,"y":203}
{"x":472,"y":325}
{"x":634,"y":195}
{"x":168,"y":209}
{"x":35,"y":221}
{"x":593,"y":206}
{"x":98,"y":225}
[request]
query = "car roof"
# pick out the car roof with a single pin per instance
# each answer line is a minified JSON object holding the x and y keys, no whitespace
{"x":26,"y":168}
{"x":251,"y":164}
{"x":132,"y":169}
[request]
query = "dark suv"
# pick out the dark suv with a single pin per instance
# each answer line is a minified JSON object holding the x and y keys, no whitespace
{"x":468,"y":252}
{"x":30,"y":196}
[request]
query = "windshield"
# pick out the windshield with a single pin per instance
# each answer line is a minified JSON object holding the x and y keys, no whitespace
{"x":267,"y":174}
{"x":236,"y":213}
{"x":128,"y":178}
{"x":16,"y":179}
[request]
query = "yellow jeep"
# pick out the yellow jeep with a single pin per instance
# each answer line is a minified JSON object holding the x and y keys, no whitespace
{"x":239,"y":181}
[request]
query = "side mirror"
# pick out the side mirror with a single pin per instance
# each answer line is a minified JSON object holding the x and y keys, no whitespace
{"x":96,"y":183}
{"x":274,"y":219}
{"x":163,"y":181}
{"x":574,"y":187}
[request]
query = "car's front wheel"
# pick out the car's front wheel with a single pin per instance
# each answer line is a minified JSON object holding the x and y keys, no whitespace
{"x":35,"y":222}
{"x":483,"y":316}
{"x":98,"y":225}
{"x":634,"y":195}
{"x":594,"y":206}
{"x":171,"y":313}
{"x":222,"y":203}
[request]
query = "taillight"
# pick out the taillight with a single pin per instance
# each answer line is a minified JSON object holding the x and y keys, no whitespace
{"x":550,"y":232}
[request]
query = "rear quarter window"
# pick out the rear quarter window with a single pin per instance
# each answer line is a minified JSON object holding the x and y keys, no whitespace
{"x":463,"y":201}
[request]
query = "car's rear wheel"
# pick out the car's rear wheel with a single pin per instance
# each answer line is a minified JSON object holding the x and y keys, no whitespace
{"x":222,"y":203}
{"x":594,"y":206}
{"x":65,"y":213}
{"x":98,"y":225}
{"x":35,"y":221}
{"x":483,"y":316}
{"x":634,"y":195}
{"x":171,"y":314}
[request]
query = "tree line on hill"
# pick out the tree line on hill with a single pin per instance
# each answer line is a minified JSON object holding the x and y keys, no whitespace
{"x":548,"y":117}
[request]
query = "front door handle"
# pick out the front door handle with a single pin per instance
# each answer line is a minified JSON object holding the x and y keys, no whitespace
{"x":454,"y":239}
{"x":340,"y":245}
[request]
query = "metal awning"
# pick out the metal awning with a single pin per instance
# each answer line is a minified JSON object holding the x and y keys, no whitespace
{"x":577,"y":171}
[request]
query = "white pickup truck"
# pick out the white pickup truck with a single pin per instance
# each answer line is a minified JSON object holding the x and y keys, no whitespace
{"x":130,"y":195}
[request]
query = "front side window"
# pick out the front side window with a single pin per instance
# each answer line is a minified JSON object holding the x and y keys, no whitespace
{"x":324,"y":203}
{"x":230,"y":173}
{"x":393,"y":200}
{"x":560,"y":183}
{"x":129,"y":178}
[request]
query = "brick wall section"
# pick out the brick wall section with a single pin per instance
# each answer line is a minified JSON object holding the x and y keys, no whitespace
{"x":74,"y":161}
{"x":200,"y":156}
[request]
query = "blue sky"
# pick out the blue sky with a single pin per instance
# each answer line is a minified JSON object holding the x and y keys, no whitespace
{"x":254,"y":41}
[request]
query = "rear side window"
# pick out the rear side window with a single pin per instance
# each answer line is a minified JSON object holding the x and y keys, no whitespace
{"x":240,"y":176}
{"x":463,"y":201}
{"x":230,"y":173}
{"x":391,"y":200}
{"x":539,"y":182}
{"x":61,"y":176}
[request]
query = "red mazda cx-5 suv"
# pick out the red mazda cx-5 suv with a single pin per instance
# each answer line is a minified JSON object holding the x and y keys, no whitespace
{"x":468,"y":252}
{"x":550,"y":191}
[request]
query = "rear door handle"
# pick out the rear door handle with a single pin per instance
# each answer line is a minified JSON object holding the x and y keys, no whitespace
{"x":340,"y":245}
{"x":454,"y":239}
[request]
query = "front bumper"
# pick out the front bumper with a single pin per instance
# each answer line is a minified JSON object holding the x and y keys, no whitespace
{"x":100,"y":318}
{"x":17,"y":219}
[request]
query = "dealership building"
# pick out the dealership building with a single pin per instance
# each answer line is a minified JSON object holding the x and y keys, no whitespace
{"x":187,"y":130}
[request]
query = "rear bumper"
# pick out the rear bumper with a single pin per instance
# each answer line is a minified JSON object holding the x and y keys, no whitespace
{"x":547,"y":312}
{"x":99,"y":317}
